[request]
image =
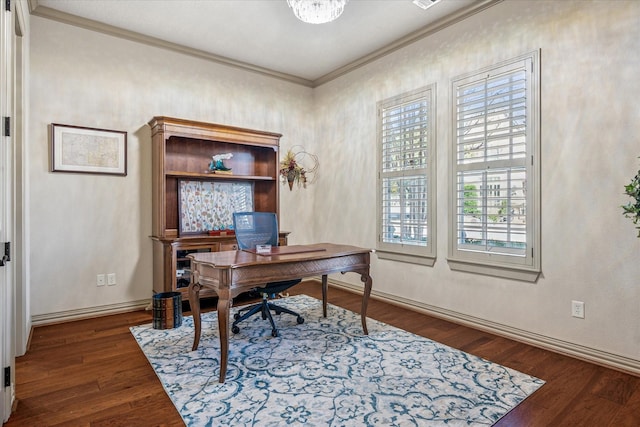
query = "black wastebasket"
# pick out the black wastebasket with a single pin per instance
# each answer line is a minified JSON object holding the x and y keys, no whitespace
{"x":167,"y":310}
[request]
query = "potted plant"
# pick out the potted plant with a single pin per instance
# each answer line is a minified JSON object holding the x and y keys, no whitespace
{"x":632,"y":209}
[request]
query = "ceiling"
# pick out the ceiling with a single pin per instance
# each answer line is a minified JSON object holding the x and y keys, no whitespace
{"x":264,"y":35}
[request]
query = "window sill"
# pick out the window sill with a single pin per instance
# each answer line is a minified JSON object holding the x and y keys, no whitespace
{"x":409,"y":258}
{"x":524,"y":274}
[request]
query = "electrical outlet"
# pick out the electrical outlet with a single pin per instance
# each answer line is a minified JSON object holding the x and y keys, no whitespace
{"x":111,"y":279}
{"x":100,"y":280}
{"x":577,"y":309}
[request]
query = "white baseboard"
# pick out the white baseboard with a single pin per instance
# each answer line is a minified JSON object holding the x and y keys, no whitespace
{"x":593,"y":355}
{"x":90,"y":312}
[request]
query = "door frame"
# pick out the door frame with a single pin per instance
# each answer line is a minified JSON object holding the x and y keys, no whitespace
{"x":7,"y":358}
{"x":14,"y":292}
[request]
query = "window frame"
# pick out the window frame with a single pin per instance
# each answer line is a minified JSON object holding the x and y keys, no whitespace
{"x":525,"y":266}
{"x":398,"y":251}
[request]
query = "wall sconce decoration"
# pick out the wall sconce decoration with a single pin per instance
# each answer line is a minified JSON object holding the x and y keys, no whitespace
{"x":293,"y":168}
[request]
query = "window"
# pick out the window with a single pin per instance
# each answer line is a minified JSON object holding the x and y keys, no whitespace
{"x":406,"y":147}
{"x":495,"y":214}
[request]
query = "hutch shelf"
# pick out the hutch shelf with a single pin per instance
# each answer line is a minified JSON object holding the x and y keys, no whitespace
{"x":181,"y":153}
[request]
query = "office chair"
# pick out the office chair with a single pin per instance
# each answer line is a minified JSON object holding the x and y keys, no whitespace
{"x":261,"y":228}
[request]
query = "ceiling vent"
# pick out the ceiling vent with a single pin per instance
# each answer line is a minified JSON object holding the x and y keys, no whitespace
{"x":425,"y":4}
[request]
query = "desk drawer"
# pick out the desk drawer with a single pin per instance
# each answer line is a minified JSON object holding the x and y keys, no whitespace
{"x":228,"y":246}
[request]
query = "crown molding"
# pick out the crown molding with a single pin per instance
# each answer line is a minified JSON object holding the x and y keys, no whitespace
{"x":89,"y":24}
{"x":447,"y":21}
{"x":476,"y":7}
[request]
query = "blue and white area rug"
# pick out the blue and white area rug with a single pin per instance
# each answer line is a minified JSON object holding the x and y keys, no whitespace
{"x":325,"y":372}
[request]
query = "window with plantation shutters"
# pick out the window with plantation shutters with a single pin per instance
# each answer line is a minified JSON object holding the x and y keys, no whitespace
{"x":495,"y":181}
{"x":405,"y":177}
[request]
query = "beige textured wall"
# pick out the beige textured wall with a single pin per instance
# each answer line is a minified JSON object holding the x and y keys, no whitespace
{"x":82,"y":225}
{"x":590,"y":55}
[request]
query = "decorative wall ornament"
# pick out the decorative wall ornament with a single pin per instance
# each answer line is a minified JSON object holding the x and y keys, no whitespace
{"x":298,"y":167}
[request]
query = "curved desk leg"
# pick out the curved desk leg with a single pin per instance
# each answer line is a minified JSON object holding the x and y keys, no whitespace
{"x":365,"y":300}
{"x":324,"y":295}
{"x":224,"y":303}
{"x":194,"y":303}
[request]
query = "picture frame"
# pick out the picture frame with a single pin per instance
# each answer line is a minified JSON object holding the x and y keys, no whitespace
{"x":208,"y":205}
{"x":80,"y":149}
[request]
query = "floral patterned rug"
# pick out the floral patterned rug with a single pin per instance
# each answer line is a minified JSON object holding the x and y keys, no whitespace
{"x":325,"y":372}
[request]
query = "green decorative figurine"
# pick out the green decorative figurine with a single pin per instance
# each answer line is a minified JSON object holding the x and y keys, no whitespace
{"x":217,"y":164}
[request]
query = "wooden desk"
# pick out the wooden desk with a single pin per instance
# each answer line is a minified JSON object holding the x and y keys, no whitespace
{"x":231,"y":273}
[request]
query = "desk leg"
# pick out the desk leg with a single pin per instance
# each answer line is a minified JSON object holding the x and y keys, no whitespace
{"x":365,"y":301}
{"x":223,"y":327}
{"x":194,"y":303}
{"x":325,"y":286}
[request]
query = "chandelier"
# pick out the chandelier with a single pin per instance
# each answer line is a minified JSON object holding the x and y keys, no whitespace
{"x":317,"y":11}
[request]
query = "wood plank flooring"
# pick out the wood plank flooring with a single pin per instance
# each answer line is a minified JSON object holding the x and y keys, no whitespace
{"x":92,"y":373}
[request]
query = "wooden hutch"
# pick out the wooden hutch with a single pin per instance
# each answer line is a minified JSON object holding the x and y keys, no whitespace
{"x":181,"y":153}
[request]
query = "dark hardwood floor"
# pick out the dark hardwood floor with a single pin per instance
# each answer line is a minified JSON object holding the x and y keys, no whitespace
{"x":92,"y":373}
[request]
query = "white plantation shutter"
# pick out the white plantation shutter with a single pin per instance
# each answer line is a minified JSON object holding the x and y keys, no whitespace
{"x":495,"y":179}
{"x":405,"y":134}
{"x":492,"y":118}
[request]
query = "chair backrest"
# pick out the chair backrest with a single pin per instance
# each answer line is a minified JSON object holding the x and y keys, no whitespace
{"x":255,"y":228}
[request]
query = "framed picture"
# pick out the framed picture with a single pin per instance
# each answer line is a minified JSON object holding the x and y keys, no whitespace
{"x":88,"y":150}
{"x":206,"y":205}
